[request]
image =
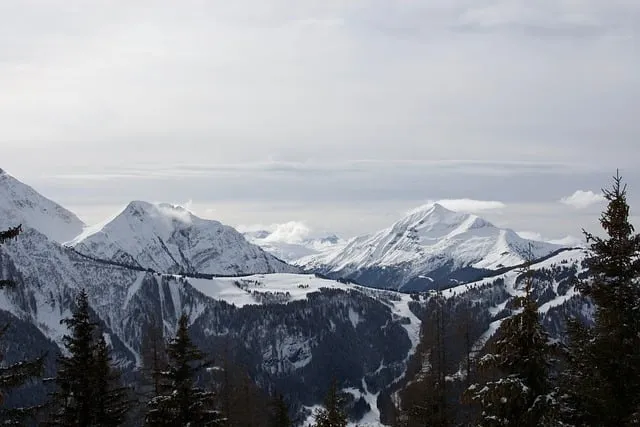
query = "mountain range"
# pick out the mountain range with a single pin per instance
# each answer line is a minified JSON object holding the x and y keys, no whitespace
{"x":169,"y":239}
{"x":292,"y":327}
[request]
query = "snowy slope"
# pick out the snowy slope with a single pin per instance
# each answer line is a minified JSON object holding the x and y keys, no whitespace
{"x":21,"y":204}
{"x":513,"y":286}
{"x":431,"y":239}
{"x":282,"y":288}
{"x":170,"y":239}
{"x":241,"y":291}
{"x":553,"y":289}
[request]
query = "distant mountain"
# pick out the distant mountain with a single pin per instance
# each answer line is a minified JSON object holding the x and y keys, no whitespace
{"x":21,"y":204}
{"x":170,"y":239}
{"x":430,"y":247}
{"x":293,"y":250}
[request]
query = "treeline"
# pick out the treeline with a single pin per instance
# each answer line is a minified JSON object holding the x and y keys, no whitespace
{"x":522,"y":377}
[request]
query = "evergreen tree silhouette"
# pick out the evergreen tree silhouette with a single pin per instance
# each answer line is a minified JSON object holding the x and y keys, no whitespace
{"x":602,"y":382}
{"x":181,"y":402}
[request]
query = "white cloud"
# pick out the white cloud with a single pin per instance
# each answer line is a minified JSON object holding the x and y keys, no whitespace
{"x":250,"y":228}
{"x":582,"y":199}
{"x":177,"y":212}
{"x":290,"y":232}
{"x":293,"y":232}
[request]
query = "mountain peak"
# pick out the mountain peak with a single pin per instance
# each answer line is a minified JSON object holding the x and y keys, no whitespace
{"x":170,"y":239}
{"x":433,"y":216}
{"x":429,"y":208}
{"x":429,"y":240}
{"x":165,"y":212}
{"x":137,"y":208}
{"x":139,"y":204}
{"x":21,"y":204}
{"x":433,"y":213}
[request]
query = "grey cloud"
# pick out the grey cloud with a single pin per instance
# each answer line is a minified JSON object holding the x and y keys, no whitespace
{"x":552,"y":18}
{"x":339,"y":182}
{"x":465,"y":167}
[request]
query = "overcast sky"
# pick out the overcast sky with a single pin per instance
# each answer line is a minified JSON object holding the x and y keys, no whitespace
{"x":341,"y":114}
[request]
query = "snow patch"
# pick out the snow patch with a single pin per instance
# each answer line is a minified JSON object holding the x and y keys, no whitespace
{"x":354,"y":317}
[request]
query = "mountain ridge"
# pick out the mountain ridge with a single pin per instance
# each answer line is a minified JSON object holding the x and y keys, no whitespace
{"x":428,"y":241}
{"x":21,"y":204}
{"x":170,"y":239}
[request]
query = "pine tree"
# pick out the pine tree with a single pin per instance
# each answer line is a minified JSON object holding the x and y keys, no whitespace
{"x":518,"y":392}
{"x":332,"y":415}
{"x":88,"y":393}
{"x":181,"y":402}
{"x":19,"y":373}
{"x":74,"y":397}
{"x":280,"y":416}
{"x":602,"y":382}
{"x":112,"y":401}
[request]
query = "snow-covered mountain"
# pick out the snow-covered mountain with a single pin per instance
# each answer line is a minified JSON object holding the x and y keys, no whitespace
{"x":170,"y":239}
{"x":292,"y":250}
{"x":21,"y":204}
{"x":432,"y":246}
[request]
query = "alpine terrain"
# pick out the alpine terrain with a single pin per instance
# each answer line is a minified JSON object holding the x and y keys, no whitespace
{"x":290,"y":331}
{"x":432,"y":247}
{"x":169,"y":239}
{"x":153,"y":262}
